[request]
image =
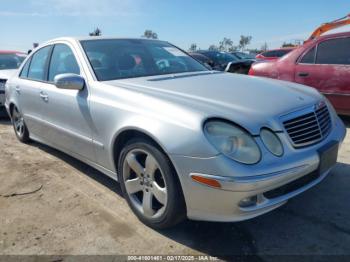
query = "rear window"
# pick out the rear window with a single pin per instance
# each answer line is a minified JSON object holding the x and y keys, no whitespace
{"x":269,"y":54}
{"x":334,"y":52}
{"x":276,"y":53}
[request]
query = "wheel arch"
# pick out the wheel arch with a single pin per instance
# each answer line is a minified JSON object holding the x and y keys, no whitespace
{"x":12,"y":105}
{"x":125,"y":135}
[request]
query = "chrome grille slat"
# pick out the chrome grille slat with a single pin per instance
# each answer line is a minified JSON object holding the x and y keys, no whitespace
{"x":314,"y":121}
{"x":322,"y":109}
{"x":317,"y":136}
{"x":304,"y":134}
{"x":321,"y":117}
{"x":320,"y":112}
{"x":323,"y":122}
{"x":287,"y":123}
{"x":310,"y":127}
{"x":303,"y":129}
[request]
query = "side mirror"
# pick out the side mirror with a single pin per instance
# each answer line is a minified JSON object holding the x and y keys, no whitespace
{"x":69,"y":81}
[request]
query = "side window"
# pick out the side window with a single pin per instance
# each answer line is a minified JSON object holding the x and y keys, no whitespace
{"x":62,"y":62}
{"x":334,"y":52}
{"x":25,"y":69}
{"x":309,"y":57}
{"x":37,"y":66}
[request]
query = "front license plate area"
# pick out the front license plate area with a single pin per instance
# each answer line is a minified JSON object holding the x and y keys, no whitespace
{"x":328,"y":156}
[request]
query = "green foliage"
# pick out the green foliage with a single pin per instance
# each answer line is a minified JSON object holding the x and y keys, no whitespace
{"x":150,"y":34}
{"x":96,"y":32}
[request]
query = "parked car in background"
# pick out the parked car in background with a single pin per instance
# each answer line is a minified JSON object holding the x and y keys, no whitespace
{"x":203,"y":59}
{"x":182,"y":140}
{"x":274,"y":54}
{"x":9,"y":62}
{"x":242,"y":55}
{"x":223,"y":61}
{"x":322,"y":63}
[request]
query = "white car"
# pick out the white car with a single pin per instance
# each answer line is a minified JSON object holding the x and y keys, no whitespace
{"x":10,"y":61}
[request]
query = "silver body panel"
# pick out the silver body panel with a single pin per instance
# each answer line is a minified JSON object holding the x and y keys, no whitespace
{"x":171,"y":109}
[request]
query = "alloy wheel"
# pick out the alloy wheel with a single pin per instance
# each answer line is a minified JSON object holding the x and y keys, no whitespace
{"x":18,"y":122}
{"x":145,"y":183}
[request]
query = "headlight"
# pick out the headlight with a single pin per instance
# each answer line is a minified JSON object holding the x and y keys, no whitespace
{"x":272,"y":142}
{"x":232,"y":141}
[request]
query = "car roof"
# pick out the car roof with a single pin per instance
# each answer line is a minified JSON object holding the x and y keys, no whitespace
{"x":334,"y":35}
{"x":86,"y":38}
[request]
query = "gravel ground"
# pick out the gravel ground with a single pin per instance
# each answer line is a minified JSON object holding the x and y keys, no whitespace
{"x":74,"y":210}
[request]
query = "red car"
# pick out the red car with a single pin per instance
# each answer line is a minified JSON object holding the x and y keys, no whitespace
{"x":322,"y":63}
{"x":274,"y":54}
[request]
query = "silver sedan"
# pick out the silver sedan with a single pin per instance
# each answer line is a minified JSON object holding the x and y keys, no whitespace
{"x":182,"y":141}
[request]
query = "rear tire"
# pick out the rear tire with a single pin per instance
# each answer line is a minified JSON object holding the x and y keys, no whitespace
{"x":19,"y":126}
{"x":150,"y":184}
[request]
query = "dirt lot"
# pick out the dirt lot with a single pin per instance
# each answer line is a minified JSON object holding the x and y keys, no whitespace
{"x":77,"y":210}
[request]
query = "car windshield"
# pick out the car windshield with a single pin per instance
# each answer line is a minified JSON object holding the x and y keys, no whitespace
{"x":221,"y":57}
{"x":11,"y":61}
{"x":113,"y":59}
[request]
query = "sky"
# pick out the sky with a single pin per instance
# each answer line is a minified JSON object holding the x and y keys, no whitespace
{"x":181,"y":22}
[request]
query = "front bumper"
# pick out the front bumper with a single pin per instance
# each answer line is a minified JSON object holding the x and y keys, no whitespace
{"x":242,"y":181}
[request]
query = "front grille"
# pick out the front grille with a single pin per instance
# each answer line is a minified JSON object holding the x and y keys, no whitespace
{"x":310,"y":127}
{"x":292,"y":186}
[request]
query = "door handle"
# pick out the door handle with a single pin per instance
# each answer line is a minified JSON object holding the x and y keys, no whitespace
{"x":303,"y":74}
{"x":18,"y":89}
{"x":44,"y":96}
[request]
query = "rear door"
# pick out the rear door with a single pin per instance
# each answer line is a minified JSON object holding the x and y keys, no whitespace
{"x":28,"y":90}
{"x":326,"y":67}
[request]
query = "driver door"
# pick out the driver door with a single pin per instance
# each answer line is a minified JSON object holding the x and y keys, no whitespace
{"x":67,"y":112}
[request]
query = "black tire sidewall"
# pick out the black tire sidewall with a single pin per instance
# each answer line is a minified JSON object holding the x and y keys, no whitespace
{"x":175,"y":211}
{"x":25,"y":137}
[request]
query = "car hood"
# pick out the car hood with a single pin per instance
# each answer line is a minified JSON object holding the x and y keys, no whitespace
{"x":6,"y":74}
{"x":251,"y":102}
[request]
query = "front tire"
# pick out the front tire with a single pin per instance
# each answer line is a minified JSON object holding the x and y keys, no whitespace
{"x":19,"y":126}
{"x":150,"y":185}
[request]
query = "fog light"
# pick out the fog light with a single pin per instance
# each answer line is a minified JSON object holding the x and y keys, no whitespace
{"x":249,"y":201}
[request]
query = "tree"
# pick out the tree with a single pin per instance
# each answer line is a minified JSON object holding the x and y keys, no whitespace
{"x":233,"y":48}
{"x":213,"y":48}
{"x":288,"y":45}
{"x":226,"y":44}
{"x":244,"y":41}
{"x":150,"y":34}
{"x":193,"y":48}
{"x":96,"y":32}
{"x":264,"y":47}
